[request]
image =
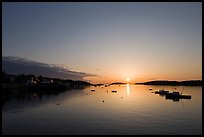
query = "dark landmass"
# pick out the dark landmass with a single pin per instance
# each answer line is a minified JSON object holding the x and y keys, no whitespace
{"x":117,"y":83}
{"x":97,"y":85}
{"x":22,"y":82}
{"x":174,"y":83}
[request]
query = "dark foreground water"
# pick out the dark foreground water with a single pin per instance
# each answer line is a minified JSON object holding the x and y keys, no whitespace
{"x":132,"y":110}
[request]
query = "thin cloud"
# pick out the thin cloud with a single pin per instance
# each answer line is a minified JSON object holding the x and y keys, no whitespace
{"x":98,"y":69}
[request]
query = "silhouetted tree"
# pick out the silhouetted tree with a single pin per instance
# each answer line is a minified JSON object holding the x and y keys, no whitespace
{"x":40,"y":78}
{"x":5,"y":77}
{"x":21,"y":78}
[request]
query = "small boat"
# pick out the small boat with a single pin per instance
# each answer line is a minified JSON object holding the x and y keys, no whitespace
{"x":114,"y":91}
{"x":161,"y":92}
{"x":93,"y":90}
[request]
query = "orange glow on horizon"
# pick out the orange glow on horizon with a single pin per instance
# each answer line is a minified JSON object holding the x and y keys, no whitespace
{"x":141,"y":78}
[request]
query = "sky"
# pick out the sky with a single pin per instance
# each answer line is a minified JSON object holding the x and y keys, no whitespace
{"x":111,"y":41}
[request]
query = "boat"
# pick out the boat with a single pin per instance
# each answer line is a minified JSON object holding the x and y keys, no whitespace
{"x":175,"y":96}
{"x":161,"y":92}
{"x":114,"y":91}
{"x":178,"y":95}
{"x":92,"y":90}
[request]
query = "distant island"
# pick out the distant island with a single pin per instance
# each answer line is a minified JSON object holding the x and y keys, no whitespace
{"x":174,"y":83}
{"x":117,"y":83}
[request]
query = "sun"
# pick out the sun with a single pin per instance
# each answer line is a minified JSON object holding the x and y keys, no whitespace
{"x":127,"y":79}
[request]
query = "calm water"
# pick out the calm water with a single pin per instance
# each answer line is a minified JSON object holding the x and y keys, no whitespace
{"x":132,"y":110}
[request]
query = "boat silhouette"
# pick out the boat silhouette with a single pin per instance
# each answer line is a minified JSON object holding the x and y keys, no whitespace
{"x":175,"y":96}
{"x":178,"y":95}
{"x":114,"y":91}
{"x":161,"y":92}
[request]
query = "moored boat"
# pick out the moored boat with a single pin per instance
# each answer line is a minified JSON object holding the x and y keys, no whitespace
{"x":177,"y":95}
{"x":161,"y":92}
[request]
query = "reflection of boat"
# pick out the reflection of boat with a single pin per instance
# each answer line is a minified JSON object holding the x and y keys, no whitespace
{"x":114,"y":91}
{"x":178,"y":95}
{"x":161,"y":92}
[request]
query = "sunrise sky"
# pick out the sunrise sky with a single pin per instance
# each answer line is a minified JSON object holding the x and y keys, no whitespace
{"x":117,"y":42}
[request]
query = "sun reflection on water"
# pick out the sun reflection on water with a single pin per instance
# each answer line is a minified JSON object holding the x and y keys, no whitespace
{"x":128,"y":90}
